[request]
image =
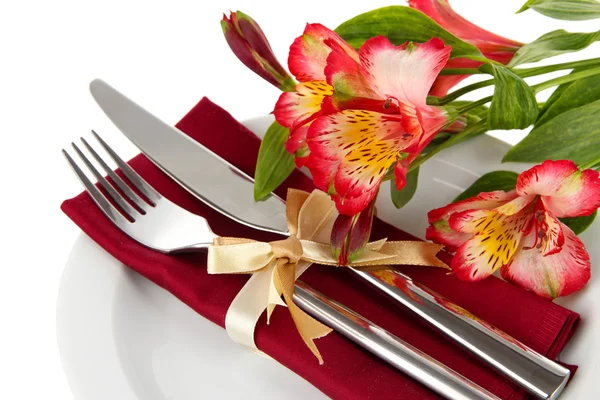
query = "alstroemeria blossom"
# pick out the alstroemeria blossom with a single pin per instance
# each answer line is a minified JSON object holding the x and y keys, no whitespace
{"x":356,"y":114}
{"x":384,"y":119}
{"x":307,"y":60}
{"x":519,"y":231}
{"x":492,"y":46}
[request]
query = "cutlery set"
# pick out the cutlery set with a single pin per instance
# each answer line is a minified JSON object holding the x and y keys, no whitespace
{"x":148,"y":218}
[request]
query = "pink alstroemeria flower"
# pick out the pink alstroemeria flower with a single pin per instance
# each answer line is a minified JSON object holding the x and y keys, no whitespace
{"x":307,"y":60}
{"x":492,"y":46}
{"x":519,"y":231}
{"x":356,"y":114}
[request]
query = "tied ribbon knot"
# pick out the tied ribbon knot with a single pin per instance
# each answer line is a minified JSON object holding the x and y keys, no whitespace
{"x":275,"y":266}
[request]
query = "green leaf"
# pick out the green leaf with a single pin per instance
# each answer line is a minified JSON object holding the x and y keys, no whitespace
{"x":570,"y":10}
{"x":573,"y":95}
{"x":401,"y":24}
{"x":553,"y":44}
{"x":274,"y":163}
{"x":579,"y":224}
{"x":479,"y":111}
{"x":401,"y":197}
{"x":572,"y":135}
{"x":554,"y":97}
{"x":495,"y":180}
{"x":514,"y":105}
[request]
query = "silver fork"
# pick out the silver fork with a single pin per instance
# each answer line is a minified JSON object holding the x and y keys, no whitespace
{"x":151,"y":210}
{"x":161,"y":225}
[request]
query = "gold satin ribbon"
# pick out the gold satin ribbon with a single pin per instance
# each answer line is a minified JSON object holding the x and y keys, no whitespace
{"x":275,"y":266}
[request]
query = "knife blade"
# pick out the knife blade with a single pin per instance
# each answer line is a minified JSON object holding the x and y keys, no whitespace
{"x":229,"y":191}
{"x":196,"y":168}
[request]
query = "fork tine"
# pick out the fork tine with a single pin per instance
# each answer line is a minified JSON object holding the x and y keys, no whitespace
{"x":131,"y":195}
{"x":133,"y":176}
{"x":108,"y":209}
{"x":116,"y":196}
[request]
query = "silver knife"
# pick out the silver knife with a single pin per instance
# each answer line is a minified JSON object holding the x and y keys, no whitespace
{"x":228,"y":190}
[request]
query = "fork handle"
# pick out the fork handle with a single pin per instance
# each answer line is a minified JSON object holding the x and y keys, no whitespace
{"x":540,"y":376}
{"x":408,"y":359}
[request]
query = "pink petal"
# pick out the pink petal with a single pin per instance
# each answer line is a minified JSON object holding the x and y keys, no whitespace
{"x":351,"y":151}
{"x":566,"y":191}
{"x":343,"y":72}
{"x":444,"y":83}
{"x":308,"y":53}
{"x":495,"y":241}
{"x":485,"y":200}
{"x":296,"y":108}
{"x":545,"y":179}
{"x":441,"y":12}
{"x":400,"y":171}
{"x":515,"y":205}
{"x":405,"y":72}
{"x":296,"y":144}
{"x":579,"y":195}
{"x":553,"y":275}
{"x":440,"y":232}
{"x":554,"y":238}
{"x":433,"y":119}
{"x":430,"y":120}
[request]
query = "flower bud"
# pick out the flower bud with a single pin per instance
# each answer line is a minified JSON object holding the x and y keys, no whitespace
{"x":250,"y":45}
{"x":350,"y":234}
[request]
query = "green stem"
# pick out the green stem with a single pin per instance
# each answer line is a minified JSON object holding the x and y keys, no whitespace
{"x":473,"y":105}
{"x":536,"y":88}
{"x":589,"y":164}
{"x":460,"y":92}
{"x":461,"y":71}
{"x":565,"y":79}
{"x":523,"y":73}
{"x":448,"y":143}
{"x":527,"y":72}
{"x":483,"y":59}
{"x":288,"y":85}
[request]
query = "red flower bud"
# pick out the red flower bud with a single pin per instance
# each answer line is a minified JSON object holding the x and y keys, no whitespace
{"x":350,"y":234}
{"x":250,"y":45}
{"x":492,"y":46}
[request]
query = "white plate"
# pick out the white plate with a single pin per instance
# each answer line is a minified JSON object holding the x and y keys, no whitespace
{"x":122,"y":337}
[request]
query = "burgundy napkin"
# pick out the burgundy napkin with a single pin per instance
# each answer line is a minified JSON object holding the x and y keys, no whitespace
{"x":349,"y":372}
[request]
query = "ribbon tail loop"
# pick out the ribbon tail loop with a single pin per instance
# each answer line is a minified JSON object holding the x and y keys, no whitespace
{"x":308,"y":327}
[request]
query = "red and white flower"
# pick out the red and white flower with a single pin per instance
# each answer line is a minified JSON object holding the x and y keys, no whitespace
{"x":354,"y":115}
{"x":492,"y":46}
{"x":519,"y":231}
{"x":307,"y":61}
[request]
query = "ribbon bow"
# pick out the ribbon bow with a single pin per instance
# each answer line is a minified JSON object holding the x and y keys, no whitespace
{"x":275,"y":266}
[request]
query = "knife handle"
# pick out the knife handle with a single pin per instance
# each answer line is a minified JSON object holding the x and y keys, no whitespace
{"x":540,"y":376}
{"x":388,"y":347}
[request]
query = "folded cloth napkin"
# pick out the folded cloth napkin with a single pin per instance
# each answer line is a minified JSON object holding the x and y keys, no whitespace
{"x":349,"y":372}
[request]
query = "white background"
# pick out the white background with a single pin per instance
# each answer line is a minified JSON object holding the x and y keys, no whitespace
{"x":164,"y":54}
